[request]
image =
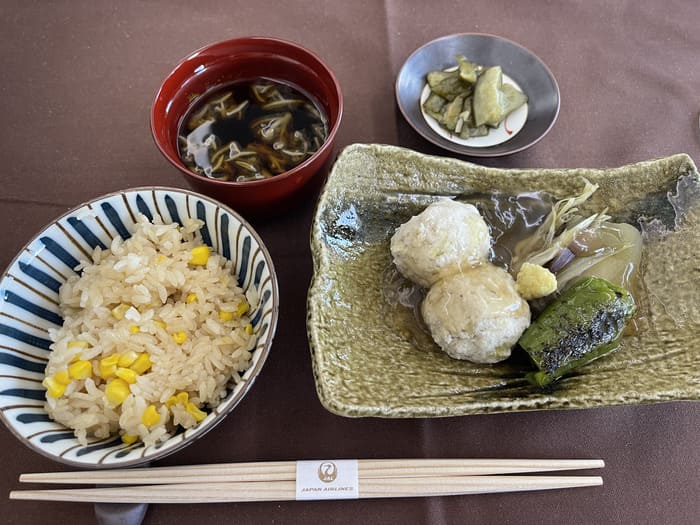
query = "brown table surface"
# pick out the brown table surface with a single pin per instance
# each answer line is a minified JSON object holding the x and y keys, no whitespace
{"x":77,"y":82}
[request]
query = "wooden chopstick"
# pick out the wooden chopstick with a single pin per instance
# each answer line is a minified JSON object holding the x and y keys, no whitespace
{"x":284,"y":490}
{"x":286,"y":471}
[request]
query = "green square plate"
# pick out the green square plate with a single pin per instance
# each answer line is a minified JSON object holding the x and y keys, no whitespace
{"x":365,"y":366}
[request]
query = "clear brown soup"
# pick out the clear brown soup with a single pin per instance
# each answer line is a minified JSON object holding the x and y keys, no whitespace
{"x":251,"y":130}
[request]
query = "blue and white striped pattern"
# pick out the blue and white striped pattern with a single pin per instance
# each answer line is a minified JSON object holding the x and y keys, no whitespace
{"x":29,"y":308}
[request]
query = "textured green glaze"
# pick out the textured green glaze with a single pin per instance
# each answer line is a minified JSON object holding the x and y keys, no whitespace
{"x":366,"y":365}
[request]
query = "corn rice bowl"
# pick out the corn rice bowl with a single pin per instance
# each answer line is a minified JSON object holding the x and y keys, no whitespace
{"x":155,"y":330}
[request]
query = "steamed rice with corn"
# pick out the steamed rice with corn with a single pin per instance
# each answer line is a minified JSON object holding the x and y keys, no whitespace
{"x":155,"y":330}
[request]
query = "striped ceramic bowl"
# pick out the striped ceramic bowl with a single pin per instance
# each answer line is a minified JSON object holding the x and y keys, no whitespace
{"x":29,"y":308}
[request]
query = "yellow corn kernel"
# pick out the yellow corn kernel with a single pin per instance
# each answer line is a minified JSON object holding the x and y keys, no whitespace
{"x":142,"y":363}
{"x":178,"y":399}
{"x":80,"y":369}
{"x":180,"y":337}
{"x":150,"y":416}
{"x":162,"y":258}
{"x":78,"y":344}
{"x":116,"y":391}
{"x":108,"y":365}
{"x":249,"y":329}
{"x":192,"y":298}
{"x":242,"y":308}
{"x":119,"y":311}
{"x":53,"y":387}
{"x":127,"y":374}
{"x":127,"y":358}
{"x":225,"y":316}
{"x":111,"y":359}
{"x":129,"y":439}
{"x":199,"y":255}
{"x":195,"y":412}
{"x":160,"y":324}
{"x":134,"y":329}
{"x":62,"y":377}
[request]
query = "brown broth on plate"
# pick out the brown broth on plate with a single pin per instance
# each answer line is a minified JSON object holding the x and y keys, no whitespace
{"x":251,"y":130}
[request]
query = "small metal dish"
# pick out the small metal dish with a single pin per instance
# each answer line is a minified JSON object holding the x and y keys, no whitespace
{"x":524,"y":68}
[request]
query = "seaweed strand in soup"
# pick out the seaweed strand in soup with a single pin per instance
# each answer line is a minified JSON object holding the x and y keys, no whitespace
{"x":251,"y":130}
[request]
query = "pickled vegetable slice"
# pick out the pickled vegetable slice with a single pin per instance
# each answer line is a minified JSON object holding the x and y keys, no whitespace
{"x":488,"y":104}
{"x":512,"y":98}
{"x":468,"y":71}
{"x":447,"y":84}
{"x":434,"y":106}
{"x":452,"y":113}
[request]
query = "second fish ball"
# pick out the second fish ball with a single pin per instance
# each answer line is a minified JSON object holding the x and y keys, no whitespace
{"x":445,"y":238}
{"x":476,"y":315}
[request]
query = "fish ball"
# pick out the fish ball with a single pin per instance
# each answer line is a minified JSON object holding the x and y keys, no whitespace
{"x":447,"y":237}
{"x":476,"y":315}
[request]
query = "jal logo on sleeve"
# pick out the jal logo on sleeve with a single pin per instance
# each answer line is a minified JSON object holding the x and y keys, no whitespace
{"x":327,"y":471}
{"x":337,"y":479}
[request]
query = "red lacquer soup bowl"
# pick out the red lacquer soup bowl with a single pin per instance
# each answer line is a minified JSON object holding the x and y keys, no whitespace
{"x":235,"y":60}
